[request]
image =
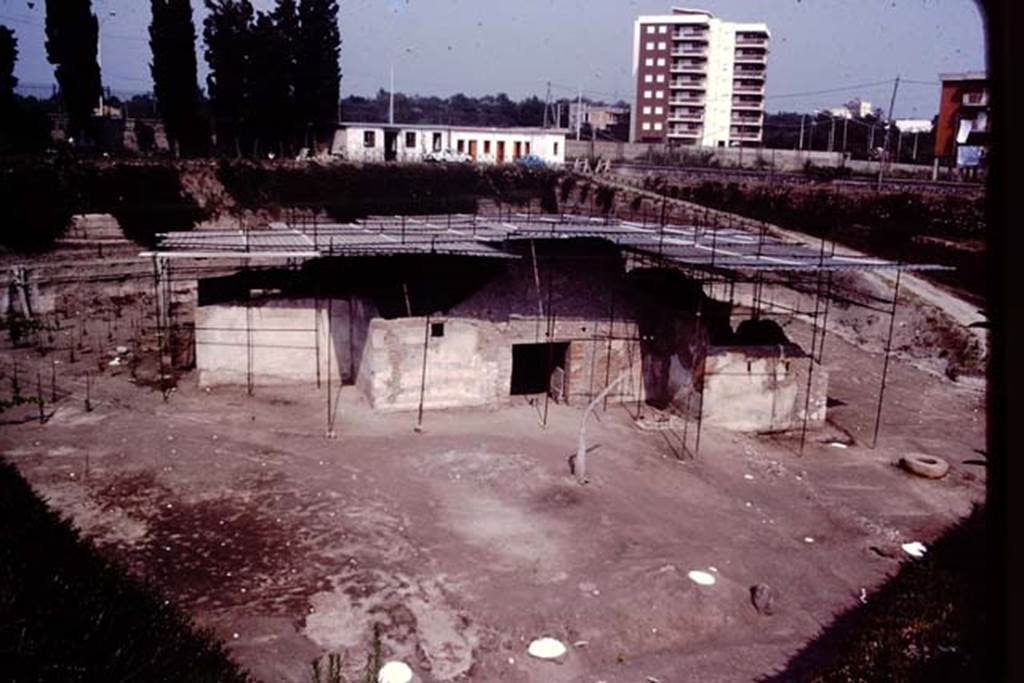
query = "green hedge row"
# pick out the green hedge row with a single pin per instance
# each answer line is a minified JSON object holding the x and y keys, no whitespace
{"x":349,"y":192}
{"x":68,"y":615}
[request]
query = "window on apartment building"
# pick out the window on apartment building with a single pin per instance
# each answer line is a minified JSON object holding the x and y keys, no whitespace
{"x":657,"y":126}
{"x":660,"y":78}
{"x":659,"y":110}
{"x":645,"y":126}
{"x":647,"y":110}
{"x":663,"y":29}
{"x":648,"y":78}
{"x":437,"y":142}
{"x":661,"y":61}
{"x":369,"y":138}
{"x":647,"y":94}
{"x":662,"y":46}
{"x":650,"y":45}
{"x":410,"y":139}
{"x":648,"y":62}
{"x":660,"y":95}
{"x":650,"y":29}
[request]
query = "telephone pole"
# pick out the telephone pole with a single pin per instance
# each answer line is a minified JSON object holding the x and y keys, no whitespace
{"x":845,"y":122}
{"x":885,"y":143}
{"x":391,"y":97}
{"x":802,"y":119}
{"x":579,"y":113}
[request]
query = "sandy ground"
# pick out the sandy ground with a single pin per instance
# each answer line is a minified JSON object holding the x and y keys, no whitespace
{"x":466,"y":541}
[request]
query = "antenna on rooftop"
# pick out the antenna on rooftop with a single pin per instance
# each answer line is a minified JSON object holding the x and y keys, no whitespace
{"x":547,"y":107}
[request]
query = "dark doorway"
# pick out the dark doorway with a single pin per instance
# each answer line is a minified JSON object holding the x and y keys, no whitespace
{"x":390,"y":145}
{"x":501,"y":151}
{"x":534,"y":364}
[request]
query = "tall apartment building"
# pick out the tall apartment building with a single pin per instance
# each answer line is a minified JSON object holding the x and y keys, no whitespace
{"x":699,"y":79}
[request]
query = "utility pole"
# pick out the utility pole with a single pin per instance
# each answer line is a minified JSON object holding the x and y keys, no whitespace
{"x":579,"y":113}
{"x":832,"y":134}
{"x":885,"y":143}
{"x":391,"y":97}
{"x":802,"y":119}
{"x":915,"y":147}
{"x":845,"y":122}
{"x":871,"y":139}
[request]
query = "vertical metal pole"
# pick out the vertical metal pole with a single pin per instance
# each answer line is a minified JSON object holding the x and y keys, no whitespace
{"x":814,"y":341}
{"x":888,"y":349}
{"x":423,"y":373}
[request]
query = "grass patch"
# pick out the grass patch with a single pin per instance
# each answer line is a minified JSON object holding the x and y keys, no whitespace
{"x":66,"y":614}
{"x":928,"y":622}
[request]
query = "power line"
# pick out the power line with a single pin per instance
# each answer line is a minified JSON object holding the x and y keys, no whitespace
{"x":830,"y":90}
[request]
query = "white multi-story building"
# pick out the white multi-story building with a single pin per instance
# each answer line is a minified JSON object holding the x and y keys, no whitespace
{"x":699,"y":79}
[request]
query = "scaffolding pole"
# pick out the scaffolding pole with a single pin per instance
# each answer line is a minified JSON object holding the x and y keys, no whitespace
{"x":888,"y":351}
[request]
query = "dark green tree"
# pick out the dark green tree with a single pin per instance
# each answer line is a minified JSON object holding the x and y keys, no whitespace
{"x":271,"y":96}
{"x":286,"y":22}
{"x":8,"y":57}
{"x":318,"y":85}
{"x":72,"y":35}
{"x":227,"y":31}
{"x":172,"y":40}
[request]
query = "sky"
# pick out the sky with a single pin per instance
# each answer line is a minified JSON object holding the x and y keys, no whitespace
{"x":822,"y":52}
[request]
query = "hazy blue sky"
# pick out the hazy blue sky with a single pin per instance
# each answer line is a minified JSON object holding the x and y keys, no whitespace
{"x":516,"y":46}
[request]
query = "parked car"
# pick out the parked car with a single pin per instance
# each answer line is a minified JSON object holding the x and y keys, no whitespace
{"x":532,"y":161}
{"x":446,"y":156}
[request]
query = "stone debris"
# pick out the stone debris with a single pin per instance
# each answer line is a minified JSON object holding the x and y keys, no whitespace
{"x":546,"y":648}
{"x":763,"y":598}
{"x":914,"y":549}
{"x":701,"y":578}
{"x":394,"y":672}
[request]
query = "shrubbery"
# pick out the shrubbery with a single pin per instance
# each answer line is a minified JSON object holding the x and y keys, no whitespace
{"x":66,"y":614}
{"x":349,"y":192}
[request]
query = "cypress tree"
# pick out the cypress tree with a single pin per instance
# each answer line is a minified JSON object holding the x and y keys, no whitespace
{"x":8,"y":57}
{"x":172,"y":37}
{"x":319,"y":74}
{"x":72,"y":35}
{"x":227,"y":31}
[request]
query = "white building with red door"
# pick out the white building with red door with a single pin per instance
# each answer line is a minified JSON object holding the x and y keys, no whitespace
{"x":413,"y":143}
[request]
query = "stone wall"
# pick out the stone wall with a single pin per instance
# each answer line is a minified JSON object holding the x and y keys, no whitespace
{"x":762,"y":388}
{"x":279,"y":341}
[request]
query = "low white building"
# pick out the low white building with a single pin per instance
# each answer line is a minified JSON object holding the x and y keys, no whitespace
{"x":377,"y":142}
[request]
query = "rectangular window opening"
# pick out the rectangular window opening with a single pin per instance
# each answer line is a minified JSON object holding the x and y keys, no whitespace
{"x":436,"y":329}
{"x":535,"y":365}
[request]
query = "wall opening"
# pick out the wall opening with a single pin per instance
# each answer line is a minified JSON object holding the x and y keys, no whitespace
{"x":534,"y":364}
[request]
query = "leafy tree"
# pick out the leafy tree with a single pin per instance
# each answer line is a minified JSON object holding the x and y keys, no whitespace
{"x":8,"y":57}
{"x":319,"y":75}
{"x":272,"y":102}
{"x":24,"y":126}
{"x":286,"y":21}
{"x":172,"y":37}
{"x":227,"y":31}
{"x":72,"y":35}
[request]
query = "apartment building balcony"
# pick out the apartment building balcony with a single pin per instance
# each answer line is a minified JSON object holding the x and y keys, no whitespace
{"x":687,"y":85}
{"x":748,"y":135}
{"x":760,"y":58}
{"x":690,"y":52}
{"x":749,"y":88}
{"x":696,"y":36}
{"x":752,"y":39}
{"x":686,"y":101}
{"x":686,"y":117}
{"x":754,"y":105}
{"x":685,"y":132}
{"x":744,"y":120}
{"x":975,"y":99}
{"x":680,"y":67}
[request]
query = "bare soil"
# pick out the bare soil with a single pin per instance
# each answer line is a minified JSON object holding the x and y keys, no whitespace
{"x":466,"y":541}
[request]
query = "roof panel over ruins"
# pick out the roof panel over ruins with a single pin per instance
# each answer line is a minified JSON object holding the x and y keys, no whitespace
{"x":692,"y":246}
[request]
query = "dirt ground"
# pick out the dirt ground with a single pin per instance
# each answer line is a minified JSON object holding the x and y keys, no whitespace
{"x":468,"y":540}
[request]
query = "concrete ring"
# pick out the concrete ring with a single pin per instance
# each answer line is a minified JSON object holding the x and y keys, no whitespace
{"x":927,"y":466}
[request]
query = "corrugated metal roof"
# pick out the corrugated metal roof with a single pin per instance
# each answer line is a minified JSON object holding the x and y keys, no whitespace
{"x":488,"y":236}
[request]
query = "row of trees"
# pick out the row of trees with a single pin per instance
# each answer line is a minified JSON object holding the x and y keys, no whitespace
{"x":274,"y":76}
